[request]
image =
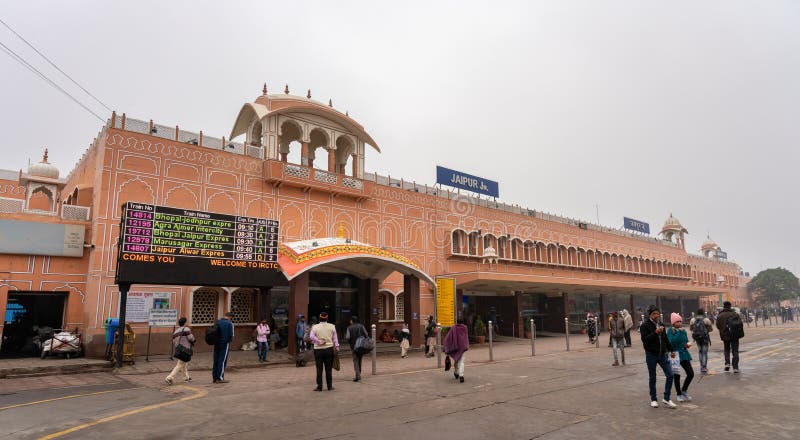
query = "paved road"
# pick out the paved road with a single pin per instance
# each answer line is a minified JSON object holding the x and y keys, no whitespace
{"x":553,"y":396}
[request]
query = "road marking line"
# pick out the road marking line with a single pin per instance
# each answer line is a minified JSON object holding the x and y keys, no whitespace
{"x":198,"y":393}
{"x":64,"y":397}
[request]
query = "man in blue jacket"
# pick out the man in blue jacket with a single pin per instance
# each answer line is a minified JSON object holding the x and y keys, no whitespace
{"x":656,"y":346}
{"x":222,"y":347}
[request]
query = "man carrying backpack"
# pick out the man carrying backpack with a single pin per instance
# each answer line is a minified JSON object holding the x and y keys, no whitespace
{"x":731,"y":329}
{"x":700,"y":327}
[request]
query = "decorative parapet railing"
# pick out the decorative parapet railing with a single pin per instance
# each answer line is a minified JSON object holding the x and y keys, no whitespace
{"x":280,"y":173}
{"x":516,"y":209}
{"x":11,"y":206}
{"x":73,"y":212}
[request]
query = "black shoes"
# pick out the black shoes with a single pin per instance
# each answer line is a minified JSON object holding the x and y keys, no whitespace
{"x":318,"y":389}
{"x":461,"y":379}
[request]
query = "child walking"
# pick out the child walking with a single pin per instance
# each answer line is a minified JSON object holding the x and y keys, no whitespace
{"x":679,"y":340}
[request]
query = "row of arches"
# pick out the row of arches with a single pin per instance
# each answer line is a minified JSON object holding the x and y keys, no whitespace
{"x":321,"y":150}
{"x":515,"y":249}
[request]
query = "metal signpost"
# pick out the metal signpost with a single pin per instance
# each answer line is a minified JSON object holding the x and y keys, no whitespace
{"x":491,"y":354}
{"x":374,"y":352}
{"x":566,"y":331}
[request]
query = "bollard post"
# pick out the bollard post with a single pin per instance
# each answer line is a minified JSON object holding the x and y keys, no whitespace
{"x":491,"y":332}
{"x":438,"y":345}
{"x":374,"y":352}
{"x":533,"y":338}
{"x":566,"y":331}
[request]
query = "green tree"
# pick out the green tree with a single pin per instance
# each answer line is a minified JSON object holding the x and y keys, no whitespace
{"x":774,"y":285}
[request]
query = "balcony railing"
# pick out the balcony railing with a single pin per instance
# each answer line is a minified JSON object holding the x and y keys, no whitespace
{"x":305,"y":177}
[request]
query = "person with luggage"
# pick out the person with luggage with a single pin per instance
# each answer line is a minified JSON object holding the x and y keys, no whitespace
{"x":679,"y":341}
{"x":731,"y":329}
{"x":701,"y":326}
{"x":616,"y":327}
{"x":354,"y":331}
{"x":262,"y":339}
{"x":405,"y":341}
{"x":326,"y":346}
{"x":183,"y":338}
{"x":430,"y":337}
{"x":656,"y":346}
{"x":456,"y":343}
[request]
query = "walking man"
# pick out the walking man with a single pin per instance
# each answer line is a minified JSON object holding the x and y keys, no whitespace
{"x":616,"y":326}
{"x":700,"y":327}
{"x":656,"y":346}
{"x":430,"y":337}
{"x":355,"y":331}
{"x":222,"y":347}
{"x":731,"y":329}
{"x":326,"y":346}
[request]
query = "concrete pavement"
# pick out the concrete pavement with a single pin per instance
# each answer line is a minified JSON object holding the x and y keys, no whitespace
{"x":552,"y":396}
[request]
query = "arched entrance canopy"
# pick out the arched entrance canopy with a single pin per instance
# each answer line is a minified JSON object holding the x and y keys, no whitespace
{"x":344,"y":256}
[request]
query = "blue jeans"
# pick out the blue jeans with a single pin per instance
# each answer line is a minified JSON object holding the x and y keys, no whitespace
{"x":220,"y":360}
{"x":263,"y":348}
{"x":703,"y":350}
{"x":663,"y":361}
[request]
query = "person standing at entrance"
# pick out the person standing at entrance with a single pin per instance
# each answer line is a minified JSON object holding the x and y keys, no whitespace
{"x":656,"y":346}
{"x":701,"y":327}
{"x":627,"y":319}
{"x":430,"y":337}
{"x":182,"y":336}
{"x":404,"y":337}
{"x":731,"y":330}
{"x":616,"y":326}
{"x":355,"y":331}
{"x":326,"y":346}
{"x":300,"y":333}
{"x":222,"y":347}
{"x":262,"y":339}
{"x":456,"y":343}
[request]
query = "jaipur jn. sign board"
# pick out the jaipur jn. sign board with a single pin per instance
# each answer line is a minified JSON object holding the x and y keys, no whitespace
{"x":457,"y":179}
{"x":635,"y":225}
{"x":163,"y":245}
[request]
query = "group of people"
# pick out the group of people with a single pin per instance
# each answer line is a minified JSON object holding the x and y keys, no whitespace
{"x":668,"y":348}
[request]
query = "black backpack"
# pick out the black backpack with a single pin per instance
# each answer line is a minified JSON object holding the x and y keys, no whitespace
{"x":212,"y":334}
{"x":699,"y":330}
{"x":734,"y":327}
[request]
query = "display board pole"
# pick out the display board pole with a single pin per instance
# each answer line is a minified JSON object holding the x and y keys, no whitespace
{"x":533,"y":338}
{"x":374,"y":351}
{"x":147,"y":350}
{"x":123,"y":303}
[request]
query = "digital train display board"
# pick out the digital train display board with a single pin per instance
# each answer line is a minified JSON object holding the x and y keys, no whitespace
{"x":163,"y":245}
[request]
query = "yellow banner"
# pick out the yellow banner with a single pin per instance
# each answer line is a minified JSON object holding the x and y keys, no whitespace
{"x":446,"y":301}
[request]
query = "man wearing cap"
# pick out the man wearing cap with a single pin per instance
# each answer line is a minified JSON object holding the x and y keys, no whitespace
{"x":326,"y":345}
{"x":656,"y":346}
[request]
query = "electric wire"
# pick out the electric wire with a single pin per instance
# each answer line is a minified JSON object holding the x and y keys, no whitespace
{"x":53,"y":64}
{"x":36,"y":71}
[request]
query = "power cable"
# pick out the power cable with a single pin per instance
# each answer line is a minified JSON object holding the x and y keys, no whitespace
{"x":54,"y":64}
{"x":26,"y":64}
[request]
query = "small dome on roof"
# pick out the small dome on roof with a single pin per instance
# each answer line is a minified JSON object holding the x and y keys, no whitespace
{"x":43,"y":168}
{"x":672,"y":221}
{"x":709,"y":244}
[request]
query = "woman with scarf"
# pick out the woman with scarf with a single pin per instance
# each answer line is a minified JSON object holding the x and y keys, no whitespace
{"x":404,"y":338}
{"x":456,"y":342}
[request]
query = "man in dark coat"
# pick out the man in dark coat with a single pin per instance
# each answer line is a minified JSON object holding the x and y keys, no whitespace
{"x":222,"y":347}
{"x":730,"y":342}
{"x":656,"y":346}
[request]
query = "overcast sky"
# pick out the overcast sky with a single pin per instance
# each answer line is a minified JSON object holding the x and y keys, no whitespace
{"x":641,"y":107}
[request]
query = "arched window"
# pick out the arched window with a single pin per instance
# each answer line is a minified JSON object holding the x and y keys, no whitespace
{"x":528,"y":251}
{"x":590,"y":259}
{"x":291,"y":136}
{"x":243,"y":306}
{"x":386,"y":305}
{"x":489,"y":240}
{"x":572,"y":256}
{"x":399,"y":307}
{"x":459,"y":242}
{"x":344,"y":152}
{"x":502,"y":247}
{"x":473,"y":242}
{"x":255,"y":134}
{"x":516,"y":245}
